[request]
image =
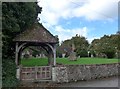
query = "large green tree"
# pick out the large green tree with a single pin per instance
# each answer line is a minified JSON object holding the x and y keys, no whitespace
{"x":80,"y":43}
{"x":16,"y":17}
{"x":107,"y":45}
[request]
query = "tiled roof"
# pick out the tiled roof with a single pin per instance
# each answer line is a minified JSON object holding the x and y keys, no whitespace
{"x":36,"y":33}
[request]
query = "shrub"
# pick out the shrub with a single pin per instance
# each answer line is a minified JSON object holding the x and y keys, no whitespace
{"x":9,"y":73}
{"x":110,"y":53}
{"x":82,"y":53}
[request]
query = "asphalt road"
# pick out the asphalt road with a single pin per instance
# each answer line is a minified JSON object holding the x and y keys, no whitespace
{"x":107,"y":82}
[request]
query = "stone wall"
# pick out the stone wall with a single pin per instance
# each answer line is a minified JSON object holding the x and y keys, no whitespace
{"x":59,"y":74}
{"x":70,"y":73}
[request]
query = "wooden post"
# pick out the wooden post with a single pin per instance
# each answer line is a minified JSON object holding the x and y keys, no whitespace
{"x":18,"y":72}
{"x":53,"y":48}
{"x":16,"y":54}
{"x":54,"y":53}
{"x":49,"y":56}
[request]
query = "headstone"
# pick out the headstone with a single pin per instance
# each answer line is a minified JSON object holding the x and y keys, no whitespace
{"x":72,"y":56}
{"x":44,"y":56}
{"x":92,"y":56}
{"x":39,"y":55}
{"x":36,"y":56}
{"x":23,"y":53}
{"x":79,"y":56}
{"x":63,"y":55}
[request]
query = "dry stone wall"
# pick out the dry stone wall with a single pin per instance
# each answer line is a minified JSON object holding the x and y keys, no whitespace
{"x":70,"y":73}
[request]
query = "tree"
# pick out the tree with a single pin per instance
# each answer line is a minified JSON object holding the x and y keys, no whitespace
{"x":64,"y":48}
{"x":81,"y":45}
{"x":107,"y":45}
{"x":16,"y":17}
{"x":118,"y":44}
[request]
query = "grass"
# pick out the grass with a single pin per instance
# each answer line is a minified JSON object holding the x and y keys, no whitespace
{"x":87,"y":61}
{"x":65,"y":61}
{"x":34,"y":62}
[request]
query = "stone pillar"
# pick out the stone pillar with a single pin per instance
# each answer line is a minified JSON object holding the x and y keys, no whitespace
{"x":53,"y":74}
{"x":59,"y":74}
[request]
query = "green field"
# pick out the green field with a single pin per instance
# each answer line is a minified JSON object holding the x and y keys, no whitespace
{"x":65,"y":61}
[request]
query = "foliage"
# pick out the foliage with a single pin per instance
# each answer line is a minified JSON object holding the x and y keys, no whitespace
{"x":16,"y":17}
{"x":81,"y":45}
{"x":66,"y":61}
{"x":81,"y":52}
{"x":34,"y":53}
{"x":118,"y":49}
{"x":65,"y":47}
{"x":110,"y":53}
{"x":106,"y":44}
{"x":9,"y":73}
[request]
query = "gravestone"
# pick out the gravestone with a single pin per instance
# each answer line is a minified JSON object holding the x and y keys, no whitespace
{"x":72,"y":56}
{"x":63,"y":55}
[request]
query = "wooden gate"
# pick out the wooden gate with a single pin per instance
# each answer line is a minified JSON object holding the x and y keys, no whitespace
{"x":36,"y":73}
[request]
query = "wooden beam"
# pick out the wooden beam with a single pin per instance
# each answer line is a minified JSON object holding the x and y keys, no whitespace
{"x":53,"y":48}
{"x":54,"y":53}
{"x":16,"y":54}
{"x":23,"y":44}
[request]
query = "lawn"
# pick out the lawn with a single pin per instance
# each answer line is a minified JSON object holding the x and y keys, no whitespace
{"x":65,"y":61}
{"x":87,"y":61}
{"x":34,"y":62}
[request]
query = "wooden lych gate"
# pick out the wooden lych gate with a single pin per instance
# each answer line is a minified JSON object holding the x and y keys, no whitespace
{"x":36,"y":35}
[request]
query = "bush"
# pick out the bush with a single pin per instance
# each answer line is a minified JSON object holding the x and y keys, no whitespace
{"x":82,"y":53}
{"x":9,"y":73}
{"x":34,"y":53}
{"x":110,"y":53}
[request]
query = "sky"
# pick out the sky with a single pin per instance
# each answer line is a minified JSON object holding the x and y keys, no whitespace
{"x":89,"y":18}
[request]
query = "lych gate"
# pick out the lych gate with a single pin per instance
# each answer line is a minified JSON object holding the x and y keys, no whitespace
{"x":36,"y":35}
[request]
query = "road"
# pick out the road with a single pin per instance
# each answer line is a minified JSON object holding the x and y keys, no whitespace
{"x":109,"y":82}
{"x":106,"y":82}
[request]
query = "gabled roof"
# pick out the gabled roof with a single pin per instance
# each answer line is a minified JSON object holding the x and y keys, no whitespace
{"x":36,"y":33}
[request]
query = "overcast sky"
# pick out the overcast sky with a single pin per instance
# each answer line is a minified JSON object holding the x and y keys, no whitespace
{"x":88,"y":18}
